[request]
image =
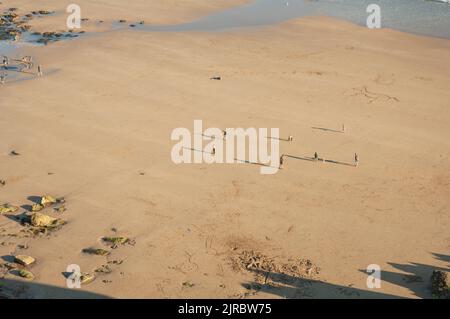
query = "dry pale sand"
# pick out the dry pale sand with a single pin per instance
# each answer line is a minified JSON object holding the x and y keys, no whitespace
{"x":100,"y":121}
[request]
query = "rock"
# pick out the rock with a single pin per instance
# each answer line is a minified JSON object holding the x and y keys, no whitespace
{"x":48,"y":34}
{"x":42,"y":40}
{"x":6,"y":208}
{"x":36,"y":207}
{"x":188,"y":284}
{"x":41,"y":220}
{"x":60,"y":209}
{"x":26,"y":274}
{"x":440,"y":284}
{"x":25,"y":27}
{"x":24,"y":260}
{"x":115,"y":262}
{"x":86,"y":278}
{"x":104,"y":269}
{"x":48,"y":200}
{"x":9,"y":266}
{"x":95,"y":251}
{"x":116,"y":240}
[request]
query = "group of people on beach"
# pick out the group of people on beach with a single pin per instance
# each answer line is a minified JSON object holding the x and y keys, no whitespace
{"x":290,"y":139}
{"x":25,"y":63}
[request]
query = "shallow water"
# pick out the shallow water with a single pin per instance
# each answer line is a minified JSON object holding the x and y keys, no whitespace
{"x":426,"y":17}
{"x":430,"y":18}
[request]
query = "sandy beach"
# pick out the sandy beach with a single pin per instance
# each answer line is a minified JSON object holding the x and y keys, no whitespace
{"x":95,"y":129}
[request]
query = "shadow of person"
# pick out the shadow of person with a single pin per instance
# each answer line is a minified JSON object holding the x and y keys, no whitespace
{"x":413,"y":276}
{"x":326,"y":129}
{"x":442,"y":257}
{"x":291,"y":287}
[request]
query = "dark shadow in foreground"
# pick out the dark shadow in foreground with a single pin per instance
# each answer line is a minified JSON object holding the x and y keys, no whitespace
{"x":290,"y":287}
{"x":19,"y":289}
{"x":414,"y":276}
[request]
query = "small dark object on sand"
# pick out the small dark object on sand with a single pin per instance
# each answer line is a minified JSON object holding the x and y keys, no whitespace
{"x":2,"y":182}
{"x":440,"y":284}
{"x":217,"y":78}
{"x":95,"y":251}
{"x":14,"y":153}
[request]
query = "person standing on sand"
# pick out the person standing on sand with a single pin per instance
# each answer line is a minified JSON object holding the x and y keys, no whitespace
{"x":213,"y":150}
{"x":316,"y":156}
{"x":39,"y":73}
{"x":290,"y":138}
{"x":356,"y":160}
{"x":26,"y":60}
{"x":281,"y":161}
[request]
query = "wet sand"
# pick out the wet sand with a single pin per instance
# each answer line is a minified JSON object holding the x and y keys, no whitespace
{"x":96,"y":130}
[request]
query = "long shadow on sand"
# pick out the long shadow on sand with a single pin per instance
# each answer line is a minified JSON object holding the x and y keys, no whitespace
{"x":290,"y":287}
{"x":326,"y":129}
{"x":413,"y":276}
{"x":312,"y":159}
